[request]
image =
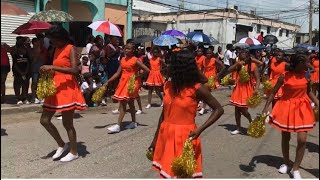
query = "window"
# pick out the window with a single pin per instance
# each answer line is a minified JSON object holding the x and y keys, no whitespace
{"x":298,"y":40}
{"x":258,"y":28}
{"x":198,"y":30}
{"x":268,"y":30}
{"x":287,"y":33}
{"x":280,"y":32}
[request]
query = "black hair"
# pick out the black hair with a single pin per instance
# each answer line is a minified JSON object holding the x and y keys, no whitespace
{"x":155,"y":48}
{"x":96,"y":39}
{"x":90,"y":39}
{"x":297,"y":59}
{"x":229,"y":46}
{"x":148,"y":49}
{"x":40,"y":36}
{"x":183,"y":70}
{"x":129,"y":41}
{"x":211,"y":47}
{"x":34,"y":40}
{"x":58,"y":32}
{"x":86,"y":76}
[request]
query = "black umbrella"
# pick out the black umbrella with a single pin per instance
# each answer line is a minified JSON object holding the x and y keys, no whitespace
{"x":143,"y":39}
{"x":270,"y":39}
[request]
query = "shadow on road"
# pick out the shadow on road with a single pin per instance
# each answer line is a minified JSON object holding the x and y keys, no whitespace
{"x":312,"y":147}
{"x":123,"y":125}
{"x":82,"y":151}
{"x":232,"y":127}
{"x":272,"y":161}
{"x":3,"y":132}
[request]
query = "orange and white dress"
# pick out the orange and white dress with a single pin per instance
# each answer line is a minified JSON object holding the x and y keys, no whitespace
{"x":155,"y":77}
{"x":129,"y":68}
{"x":199,"y":61}
{"x":68,"y":94}
{"x":277,"y":69}
{"x":242,"y":91}
{"x":210,"y":70}
{"x":315,"y":75}
{"x":293,"y":111}
{"x":179,"y":112}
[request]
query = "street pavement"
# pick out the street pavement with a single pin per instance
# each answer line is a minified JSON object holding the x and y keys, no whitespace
{"x":25,"y":147}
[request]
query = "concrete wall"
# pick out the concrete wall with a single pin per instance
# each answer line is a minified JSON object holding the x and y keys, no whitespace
{"x":80,"y":11}
{"x":117,"y":14}
{"x":148,"y":28}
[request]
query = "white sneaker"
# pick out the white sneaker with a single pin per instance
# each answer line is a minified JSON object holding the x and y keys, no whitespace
{"x":283,"y":169}
{"x":103,"y":103}
{"x":69,"y":157}
{"x":139,"y":112}
{"x":36,"y":101}
{"x":132,"y":125}
{"x":313,"y":105}
{"x":201,"y":112}
{"x":116,"y":111}
{"x":60,"y":151}
{"x":161,"y":104}
{"x":114,"y":129}
{"x":59,"y":118}
{"x":26,"y":102}
{"x":296,"y":174}
{"x":148,"y":106}
{"x":20,"y":103}
{"x":235,"y":132}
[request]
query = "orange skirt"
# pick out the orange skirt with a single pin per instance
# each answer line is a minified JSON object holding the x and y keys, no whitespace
{"x":315,"y":76}
{"x":169,"y":146}
{"x":293,"y":115}
{"x":68,"y":96}
{"x":122,"y":93}
{"x":154,"y":79}
{"x":241,"y":93}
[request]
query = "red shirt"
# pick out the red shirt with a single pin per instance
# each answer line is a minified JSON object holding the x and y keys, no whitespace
{"x":260,"y":38}
{"x":4,"y":58}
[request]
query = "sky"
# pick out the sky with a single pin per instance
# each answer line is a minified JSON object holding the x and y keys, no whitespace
{"x":293,"y":11}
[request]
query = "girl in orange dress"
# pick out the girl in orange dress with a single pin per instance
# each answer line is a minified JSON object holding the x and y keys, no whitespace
{"x":315,"y":74}
{"x":242,"y":91}
{"x":210,"y":71}
{"x":129,"y":67}
{"x":68,"y":97}
{"x":200,"y":58}
{"x":277,"y":68}
{"x":293,"y":111}
{"x":177,"y":121}
{"x":155,"y":79}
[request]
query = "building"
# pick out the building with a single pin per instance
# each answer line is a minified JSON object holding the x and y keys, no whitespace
{"x":302,"y":38}
{"x":83,"y":11}
{"x":227,"y":26}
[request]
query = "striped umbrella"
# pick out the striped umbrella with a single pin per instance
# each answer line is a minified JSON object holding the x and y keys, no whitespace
{"x":250,"y":41}
{"x":107,"y":28}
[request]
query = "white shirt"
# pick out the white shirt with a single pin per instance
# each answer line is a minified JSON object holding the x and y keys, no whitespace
{"x":46,"y":42}
{"x":84,"y":86}
{"x":88,"y":47}
{"x":227,"y":56}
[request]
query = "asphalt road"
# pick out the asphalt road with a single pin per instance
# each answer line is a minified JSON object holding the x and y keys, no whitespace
{"x":25,"y":146}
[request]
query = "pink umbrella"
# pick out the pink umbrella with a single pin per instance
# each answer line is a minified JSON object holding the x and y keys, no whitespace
{"x":34,"y":27}
{"x":107,"y":28}
{"x":249,"y":41}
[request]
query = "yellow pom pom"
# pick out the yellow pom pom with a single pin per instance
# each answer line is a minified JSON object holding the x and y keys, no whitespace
{"x":149,"y":155}
{"x":185,"y":165}
{"x":267,"y":86}
{"x":46,"y":86}
{"x":227,"y":80}
{"x":98,"y":95}
{"x":211,"y":84}
{"x":132,"y":84}
{"x":244,"y":75}
{"x":254,"y":101}
{"x":257,"y":127}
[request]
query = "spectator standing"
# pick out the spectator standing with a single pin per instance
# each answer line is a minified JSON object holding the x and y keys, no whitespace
{"x":36,"y":63}
{"x":260,"y":37}
{"x":90,"y":42}
{"x":228,"y":58}
{"x":5,"y":69}
{"x":21,"y":70}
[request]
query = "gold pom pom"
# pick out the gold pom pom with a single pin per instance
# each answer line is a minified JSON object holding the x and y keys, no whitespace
{"x":46,"y":86}
{"x":185,"y":165}
{"x":211,"y":84}
{"x":316,"y":114}
{"x":257,"y":127}
{"x":267,"y":86}
{"x":98,"y":95}
{"x":150,"y":155}
{"x":254,"y":101}
{"x":244,"y":75}
{"x":132,"y":84}
{"x":227,"y":80}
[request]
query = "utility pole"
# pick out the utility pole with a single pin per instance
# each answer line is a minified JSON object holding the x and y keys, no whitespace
{"x":129,"y":20}
{"x":310,"y":21}
{"x":181,"y":8}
